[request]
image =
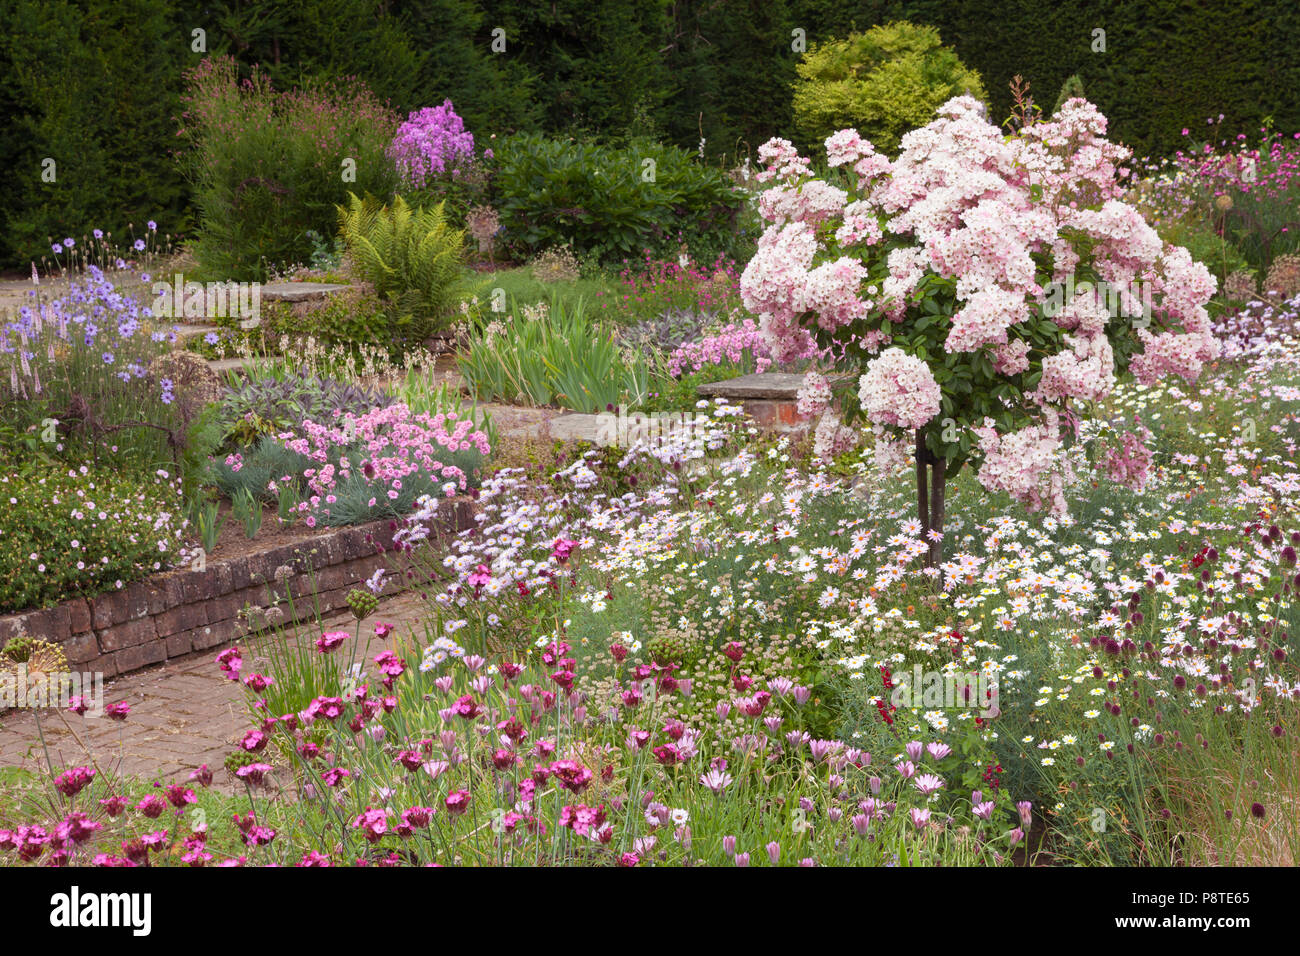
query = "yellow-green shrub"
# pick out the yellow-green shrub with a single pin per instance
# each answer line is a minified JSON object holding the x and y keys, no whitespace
{"x":882,"y":83}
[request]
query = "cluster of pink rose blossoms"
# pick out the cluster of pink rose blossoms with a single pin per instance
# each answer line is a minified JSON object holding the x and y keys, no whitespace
{"x":993,"y":215}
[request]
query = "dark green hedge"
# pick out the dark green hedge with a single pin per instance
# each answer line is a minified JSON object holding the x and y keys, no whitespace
{"x":1168,"y":64}
{"x":91,"y":86}
{"x":611,"y":202}
{"x":94,"y":84}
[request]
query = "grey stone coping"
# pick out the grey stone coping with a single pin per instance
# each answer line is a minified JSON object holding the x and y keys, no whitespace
{"x":774,"y":385}
{"x":299,"y":291}
{"x":575,"y":427}
{"x":185,"y":332}
{"x":222,"y":366}
{"x":777,"y":386}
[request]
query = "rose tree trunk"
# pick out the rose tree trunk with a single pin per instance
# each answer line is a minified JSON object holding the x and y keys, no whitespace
{"x":931,"y":479}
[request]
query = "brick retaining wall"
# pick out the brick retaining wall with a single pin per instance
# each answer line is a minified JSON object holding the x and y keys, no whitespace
{"x":177,"y":612}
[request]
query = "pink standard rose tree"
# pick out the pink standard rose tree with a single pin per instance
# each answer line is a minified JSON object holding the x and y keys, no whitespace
{"x":988,"y":288}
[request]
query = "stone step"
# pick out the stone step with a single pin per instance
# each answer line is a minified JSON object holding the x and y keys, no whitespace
{"x":299,"y":291}
{"x":237,"y":365}
{"x":777,"y":386}
{"x":187,"y":332}
{"x":771,"y":399}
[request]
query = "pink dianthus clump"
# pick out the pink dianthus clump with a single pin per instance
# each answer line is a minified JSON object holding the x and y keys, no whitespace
{"x":390,"y":450}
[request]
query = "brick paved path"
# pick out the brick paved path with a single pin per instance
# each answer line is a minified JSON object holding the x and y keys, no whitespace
{"x":183,"y":713}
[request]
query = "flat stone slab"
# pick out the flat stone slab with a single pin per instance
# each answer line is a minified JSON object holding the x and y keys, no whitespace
{"x":543,"y":424}
{"x":770,"y":385}
{"x":186,"y":332}
{"x":575,"y":426}
{"x":222,"y":366}
{"x":299,"y":291}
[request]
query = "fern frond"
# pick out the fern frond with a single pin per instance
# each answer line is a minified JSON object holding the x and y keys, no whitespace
{"x":412,"y":256}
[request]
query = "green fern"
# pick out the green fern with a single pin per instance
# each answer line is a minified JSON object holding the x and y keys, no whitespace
{"x":412,"y":256}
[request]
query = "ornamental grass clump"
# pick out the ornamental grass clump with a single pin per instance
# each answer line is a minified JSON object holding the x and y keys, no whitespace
{"x":551,"y":355}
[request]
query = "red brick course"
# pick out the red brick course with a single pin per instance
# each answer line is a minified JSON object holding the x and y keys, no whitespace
{"x":178,"y":612}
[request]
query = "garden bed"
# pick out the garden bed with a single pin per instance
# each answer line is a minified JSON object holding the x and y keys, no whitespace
{"x":895,"y":508}
{"x":187,"y":609}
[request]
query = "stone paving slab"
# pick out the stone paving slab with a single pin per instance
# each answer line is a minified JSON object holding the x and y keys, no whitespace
{"x":185,"y":332}
{"x":576,"y":427}
{"x":776,"y":385}
{"x":183,"y":713}
{"x":298,"y":291}
{"x":222,"y":366}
